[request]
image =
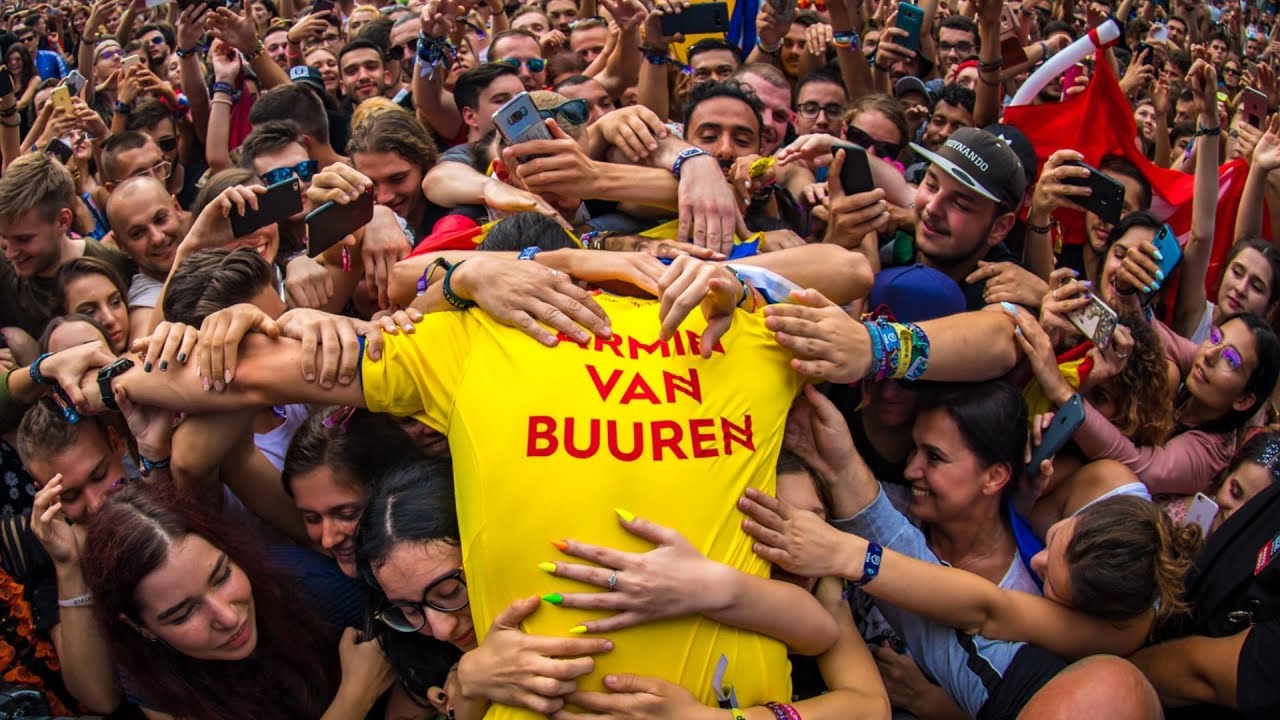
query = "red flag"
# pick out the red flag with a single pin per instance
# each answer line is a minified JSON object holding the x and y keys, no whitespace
{"x":1096,"y":123}
{"x":1231,"y":179}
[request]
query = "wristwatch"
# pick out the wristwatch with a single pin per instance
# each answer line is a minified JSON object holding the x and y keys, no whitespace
{"x":685,"y":155}
{"x":106,"y":375}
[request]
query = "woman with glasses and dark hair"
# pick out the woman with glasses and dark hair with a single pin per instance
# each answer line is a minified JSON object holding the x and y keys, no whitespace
{"x":205,"y":625}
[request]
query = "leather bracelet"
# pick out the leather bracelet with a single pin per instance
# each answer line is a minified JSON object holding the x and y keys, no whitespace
{"x":185,"y":52}
{"x":994,"y":66}
{"x":1041,"y":229}
{"x":1208,"y":132}
{"x":449,"y":295}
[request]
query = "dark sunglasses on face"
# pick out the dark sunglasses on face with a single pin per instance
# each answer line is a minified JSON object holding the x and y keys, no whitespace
{"x":405,"y":51}
{"x":157,"y":40}
{"x":305,"y":170}
{"x":167,"y":144}
{"x":879,"y":147}
{"x":535,"y":65}
{"x":575,"y":112}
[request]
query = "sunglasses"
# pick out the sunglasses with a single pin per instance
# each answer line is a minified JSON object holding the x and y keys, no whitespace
{"x":880,"y":148}
{"x":535,"y":65}
{"x":1230,"y":354}
{"x":109,"y":55}
{"x":305,"y":170}
{"x":405,"y":51}
{"x":811,"y":109}
{"x":575,"y":112}
{"x":167,"y":144}
{"x":157,"y":40}
{"x":818,"y":5}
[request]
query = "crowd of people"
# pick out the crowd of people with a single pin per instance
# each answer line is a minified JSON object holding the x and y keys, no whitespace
{"x":335,"y":388}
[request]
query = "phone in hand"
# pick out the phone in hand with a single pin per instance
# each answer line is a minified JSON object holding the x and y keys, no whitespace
{"x":61,"y":98}
{"x":1064,"y":424}
{"x":59,"y":150}
{"x":1166,"y":244}
{"x":1106,"y":199}
{"x":698,"y":19}
{"x":329,"y":223}
{"x":1203,"y":512}
{"x":321,"y":6}
{"x":74,"y":82}
{"x":1012,"y":50}
{"x":280,"y":202}
{"x":1254,"y":106}
{"x":910,"y":18}
{"x":6,"y":82}
{"x":519,"y":120}
{"x":1069,"y":79}
{"x":855,"y":176}
{"x":1097,"y":321}
{"x":129,"y":62}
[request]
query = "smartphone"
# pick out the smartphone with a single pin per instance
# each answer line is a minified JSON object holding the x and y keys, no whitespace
{"x":1064,"y":424}
{"x":1097,"y":321}
{"x":1170,"y":251}
{"x":1107,"y":199}
{"x":6,"y":82}
{"x":329,"y":223}
{"x":1012,"y":52}
{"x":855,"y":176}
{"x":1069,"y":78}
{"x":1254,"y":106}
{"x":321,"y":6}
{"x":784,"y":8}
{"x":698,"y":19}
{"x":280,"y":202}
{"x":61,"y":98}
{"x":518,"y":120}
{"x":129,"y":62}
{"x":74,"y":82}
{"x":910,"y":18}
{"x":59,"y":150}
{"x":1203,"y":512}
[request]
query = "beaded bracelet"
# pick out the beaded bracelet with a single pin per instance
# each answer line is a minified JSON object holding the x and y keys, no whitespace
{"x":767,"y":51}
{"x":1208,"y":132}
{"x":453,"y":298}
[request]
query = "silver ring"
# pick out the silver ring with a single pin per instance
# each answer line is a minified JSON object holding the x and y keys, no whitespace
{"x":613,"y":581}
{"x":554,"y":272}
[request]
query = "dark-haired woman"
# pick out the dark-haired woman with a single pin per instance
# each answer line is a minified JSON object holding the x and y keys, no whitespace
{"x":204,"y":628}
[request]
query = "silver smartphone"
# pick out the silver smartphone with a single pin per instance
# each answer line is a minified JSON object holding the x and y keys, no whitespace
{"x":518,"y":120}
{"x":1097,"y":321}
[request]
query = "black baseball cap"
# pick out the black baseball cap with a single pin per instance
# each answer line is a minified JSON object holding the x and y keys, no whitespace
{"x":982,"y":162}
{"x":307,"y":76}
{"x":1022,"y":147}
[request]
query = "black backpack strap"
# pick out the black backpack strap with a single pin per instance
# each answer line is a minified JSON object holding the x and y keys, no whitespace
{"x":1226,"y":564}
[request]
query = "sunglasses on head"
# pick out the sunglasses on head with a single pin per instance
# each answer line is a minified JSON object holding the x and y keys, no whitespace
{"x":305,"y":170}
{"x":575,"y":112}
{"x":535,"y":65}
{"x":879,"y":147}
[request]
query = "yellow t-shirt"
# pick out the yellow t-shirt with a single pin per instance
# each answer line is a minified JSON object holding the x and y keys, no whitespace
{"x":547,"y":441}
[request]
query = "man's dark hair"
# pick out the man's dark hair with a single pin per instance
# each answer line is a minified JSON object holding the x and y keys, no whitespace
{"x":709,"y":44}
{"x":295,"y":102}
{"x":1058,"y":26}
{"x":114,"y":146}
{"x":268,"y":138}
{"x":821,"y":75}
{"x":163,"y":28}
{"x":466,"y":91}
{"x":732,"y":89}
{"x":956,"y":95}
{"x":1224,"y":37}
{"x":962,"y":23}
{"x":1182,"y":59}
{"x":808,"y":18}
{"x":213,"y":279}
{"x":378,"y":32}
{"x":525,"y":229}
{"x":361,"y":44}
{"x":147,"y":114}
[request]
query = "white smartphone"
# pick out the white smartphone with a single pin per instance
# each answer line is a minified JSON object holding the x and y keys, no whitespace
{"x":1202,"y":512}
{"x":74,"y":82}
{"x":129,"y":62}
{"x":1097,"y":321}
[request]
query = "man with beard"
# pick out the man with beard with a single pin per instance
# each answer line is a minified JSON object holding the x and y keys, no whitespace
{"x":147,"y":224}
{"x":965,"y":206}
{"x":363,"y":71}
{"x":951,"y":111}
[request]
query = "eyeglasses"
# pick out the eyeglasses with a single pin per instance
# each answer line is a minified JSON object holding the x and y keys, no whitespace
{"x":1229,"y":354}
{"x":168,"y":144}
{"x":879,"y":148}
{"x":575,"y":112}
{"x":447,"y":594}
{"x":305,"y":170}
{"x":964,"y":48}
{"x":109,"y":55}
{"x":405,"y":51}
{"x":157,"y":40}
{"x":535,"y":65}
{"x":159,"y":171}
{"x":811,"y":109}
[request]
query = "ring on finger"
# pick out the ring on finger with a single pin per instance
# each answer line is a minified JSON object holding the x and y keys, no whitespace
{"x":613,"y":581}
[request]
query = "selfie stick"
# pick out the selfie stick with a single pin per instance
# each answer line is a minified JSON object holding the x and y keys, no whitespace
{"x":1105,"y":34}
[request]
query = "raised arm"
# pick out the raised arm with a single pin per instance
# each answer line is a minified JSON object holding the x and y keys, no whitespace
{"x":434,"y":105}
{"x":1266,"y":158}
{"x":1195,"y":263}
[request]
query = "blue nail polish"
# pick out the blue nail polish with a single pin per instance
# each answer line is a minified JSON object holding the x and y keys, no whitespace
{"x":1146,"y":289}
{"x":1159,"y":274}
{"x":1009,"y":307}
{"x":1157,"y":255}
{"x":1018,"y":330}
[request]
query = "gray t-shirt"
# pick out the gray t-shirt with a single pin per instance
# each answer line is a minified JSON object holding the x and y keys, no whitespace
{"x":144,"y":291}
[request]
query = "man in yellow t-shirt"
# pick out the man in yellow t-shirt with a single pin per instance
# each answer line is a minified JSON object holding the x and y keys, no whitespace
{"x":547,"y":441}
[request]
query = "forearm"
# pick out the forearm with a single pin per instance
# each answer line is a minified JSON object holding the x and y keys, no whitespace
{"x":986,"y":107}
{"x":623,"y":67}
{"x":124,"y":30}
{"x":256,"y":482}
{"x":628,"y":183}
{"x":10,"y":142}
{"x":87,"y":668}
{"x":197,"y":93}
{"x":199,"y":445}
{"x":268,"y":72}
{"x":841,"y":275}
{"x":217,"y":139}
{"x":779,"y":610}
{"x":652,"y":91}
{"x":1037,"y":249}
{"x":350,"y":702}
{"x":434,"y":105}
{"x":1249,"y":215}
{"x":970,"y":347}
{"x":85,"y":64}
{"x":1193,"y":670}
{"x":450,"y":184}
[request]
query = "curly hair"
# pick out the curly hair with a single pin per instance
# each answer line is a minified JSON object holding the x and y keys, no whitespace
{"x":1141,"y":393}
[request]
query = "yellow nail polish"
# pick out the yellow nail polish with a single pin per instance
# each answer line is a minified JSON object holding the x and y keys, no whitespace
{"x":560,"y":545}
{"x":547,"y":567}
{"x":578,"y":629}
{"x":626,"y":515}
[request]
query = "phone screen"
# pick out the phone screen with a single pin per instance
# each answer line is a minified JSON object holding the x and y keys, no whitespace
{"x":6,"y":82}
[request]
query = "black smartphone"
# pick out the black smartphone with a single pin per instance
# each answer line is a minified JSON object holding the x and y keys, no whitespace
{"x":329,"y":223}
{"x":58,"y":150}
{"x":855,"y":176}
{"x":321,"y":6}
{"x":1107,"y":199}
{"x":280,"y":202}
{"x":698,"y":19}
{"x":6,"y":82}
{"x":910,"y":18}
{"x":1064,"y":424}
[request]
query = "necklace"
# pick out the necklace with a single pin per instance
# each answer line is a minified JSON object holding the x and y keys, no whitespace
{"x":990,"y":552}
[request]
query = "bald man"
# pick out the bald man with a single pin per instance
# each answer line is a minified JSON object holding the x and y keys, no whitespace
{"x":1091,"y":685}
{"x":147,"y":224}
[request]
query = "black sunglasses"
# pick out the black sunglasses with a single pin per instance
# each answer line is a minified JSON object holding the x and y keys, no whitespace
{"x":576,"y":112}
{"x":167,"y":144}
{"x":879,"y":147}
{"x":405,"y":51}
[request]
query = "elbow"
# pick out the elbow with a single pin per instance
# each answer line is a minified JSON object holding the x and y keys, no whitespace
{"x":822,"y":638}
{"x":403,"y":288}
{"x":98,"y":699}
{"x":861,"y":275}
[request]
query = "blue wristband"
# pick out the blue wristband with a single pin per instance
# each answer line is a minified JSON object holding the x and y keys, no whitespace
{"x":870,"y":564}
{"x":34,"y":370}
{"x":529,"y":252}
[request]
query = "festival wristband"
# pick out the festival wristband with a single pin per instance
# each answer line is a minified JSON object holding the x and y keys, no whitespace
{"x":75,"y":602}
{"x":783,"y":711}
{"x":870,"y":564}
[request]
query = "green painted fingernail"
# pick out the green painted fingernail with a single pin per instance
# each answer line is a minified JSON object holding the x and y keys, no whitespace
{"x":1159,"y":275}
{"x":547,"y":567}
{"x":1157,"y":254}
{"x":553,"y":598}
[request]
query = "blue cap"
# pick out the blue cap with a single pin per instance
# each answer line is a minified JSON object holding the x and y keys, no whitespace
{"x":915,"y":293}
